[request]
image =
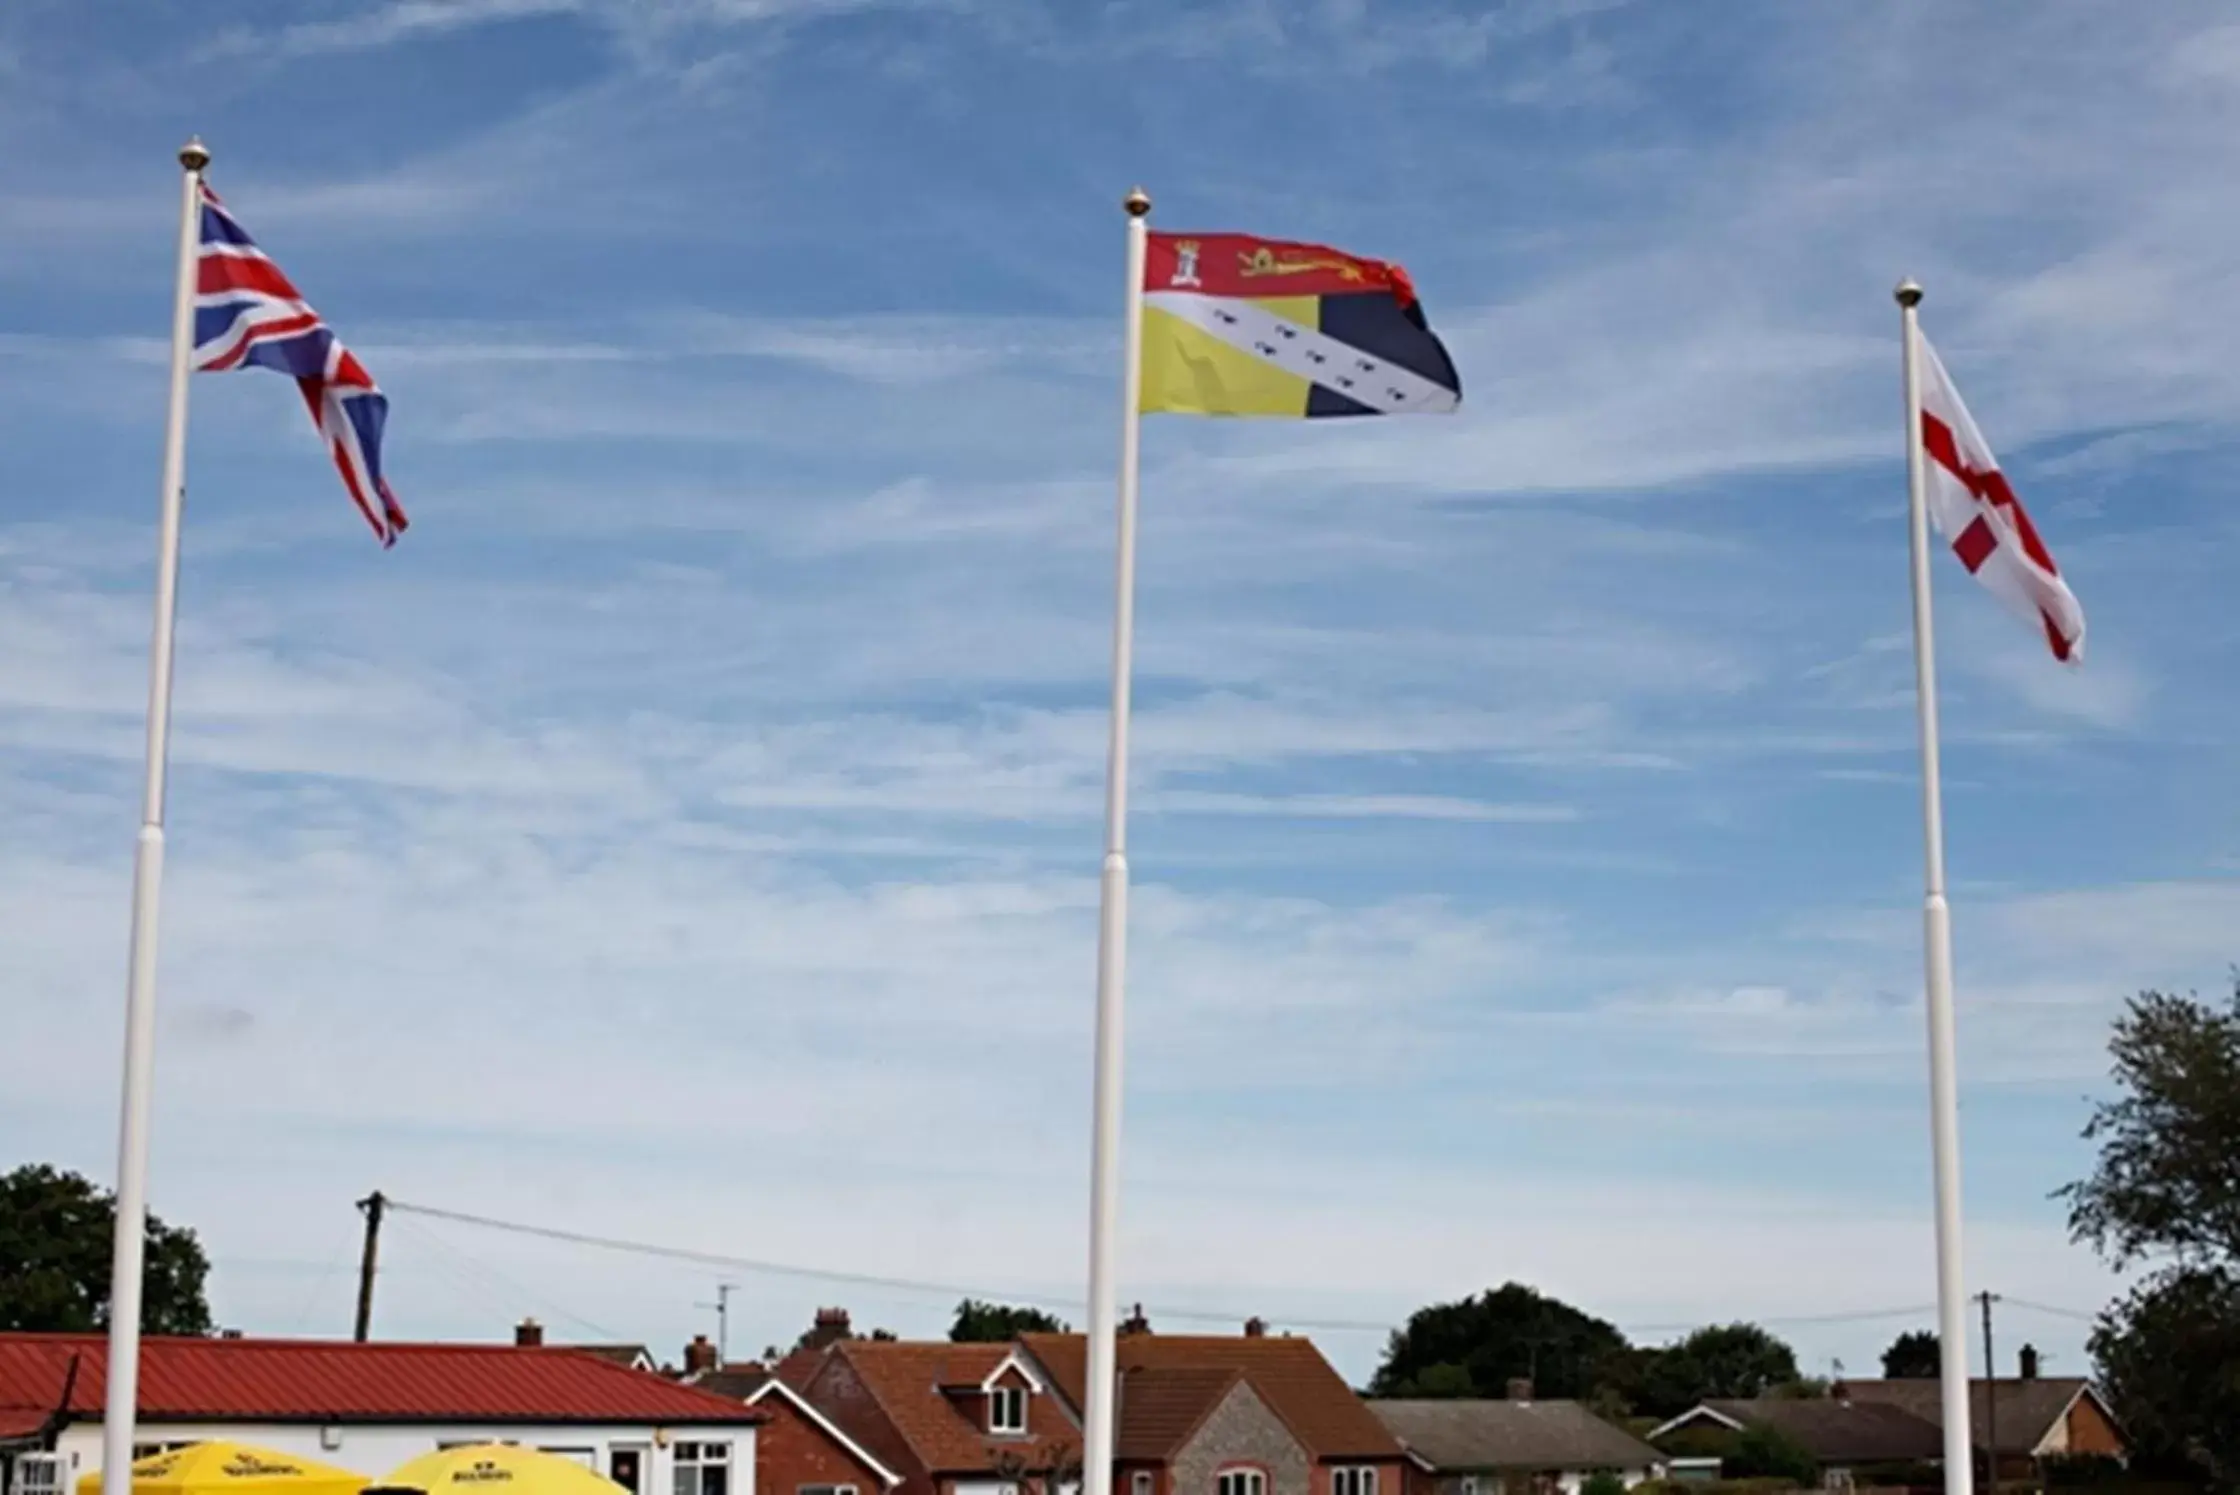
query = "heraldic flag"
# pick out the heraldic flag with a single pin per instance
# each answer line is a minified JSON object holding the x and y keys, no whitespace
{"x":1234,"y":325}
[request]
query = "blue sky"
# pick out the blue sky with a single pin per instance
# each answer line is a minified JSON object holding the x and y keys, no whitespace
{"x":690,"y":830}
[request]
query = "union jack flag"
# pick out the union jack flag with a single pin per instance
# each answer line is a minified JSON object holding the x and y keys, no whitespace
{"x":247,"y":312}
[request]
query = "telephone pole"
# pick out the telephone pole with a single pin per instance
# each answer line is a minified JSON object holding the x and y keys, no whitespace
{"x":371,"y":1206}
{"x":1990,"y":1397}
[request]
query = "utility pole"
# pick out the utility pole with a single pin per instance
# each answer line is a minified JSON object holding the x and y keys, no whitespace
{"x":722,"y":1306}
{"x":371,"y":1206}
{"x":1990,"y":1397}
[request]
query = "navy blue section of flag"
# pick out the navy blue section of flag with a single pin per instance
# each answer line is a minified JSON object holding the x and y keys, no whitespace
{"x":1378,"y":324}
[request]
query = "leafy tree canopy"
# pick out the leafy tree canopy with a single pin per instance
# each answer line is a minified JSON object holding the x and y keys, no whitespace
{"x":2166,"y":1188}
{"x":1475,"y":1347}
{"x":1764,"y":1452}
{"x":56,"y":1233}
{"x":1737,"y":1361}
{"x":1915,"y":1355}
{"x":997,"y":1323}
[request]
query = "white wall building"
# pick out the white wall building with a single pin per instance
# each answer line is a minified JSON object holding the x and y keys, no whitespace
{"x":369,"y":1408}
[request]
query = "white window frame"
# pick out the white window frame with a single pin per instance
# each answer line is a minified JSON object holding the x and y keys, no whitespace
{"x":1002,"y":1398}
{"x":1247,"y":1480}
{"x":698,"y":1456}
{"x":54,"y":1482}
{"x":1353,"y":1479}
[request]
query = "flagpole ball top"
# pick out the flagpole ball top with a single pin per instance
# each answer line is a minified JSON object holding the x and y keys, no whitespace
{"x":194,"y":155}
{"x":1908,"y":292}
{"x":1137,"y":202}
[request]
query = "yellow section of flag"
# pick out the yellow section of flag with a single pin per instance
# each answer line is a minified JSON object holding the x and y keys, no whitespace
{"x":1188,"y":371}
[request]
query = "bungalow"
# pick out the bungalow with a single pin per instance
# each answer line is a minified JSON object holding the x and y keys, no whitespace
{"x":1520,"y":1446}
{"x":2034,"y":1418}
{"x":1847,"y":1439}
{"x":368,"y":1408}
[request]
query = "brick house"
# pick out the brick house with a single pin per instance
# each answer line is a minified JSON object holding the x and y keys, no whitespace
{"x":1203,"y":1414}
{"x":948,"y":1419}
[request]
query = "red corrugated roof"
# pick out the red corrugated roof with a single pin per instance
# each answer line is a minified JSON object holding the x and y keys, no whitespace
{"x":309,"y":1380}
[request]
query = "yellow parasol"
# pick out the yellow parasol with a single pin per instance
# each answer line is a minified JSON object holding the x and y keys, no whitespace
{"x":496,"y":1469}
{"x":231,"y":1469}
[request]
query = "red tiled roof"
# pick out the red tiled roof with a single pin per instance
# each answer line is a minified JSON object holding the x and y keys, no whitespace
{"x":308,"y":1380}
{"x":1289,"y":1374}
{"x":945,"y":1432}
{"x":1160,"y":1409}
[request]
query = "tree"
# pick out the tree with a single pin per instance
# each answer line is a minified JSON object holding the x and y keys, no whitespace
{"x":1721,"y":1361}
{"x":1767,"y":1453}
{"x":1915,"y":1355}
{"x":1735,"y":1362}
{"x":999,"y":1323}
{"x":1477,"y":1346}
{"x":56,"y":1232}
{"x":2166,"y":1189}
{"x":2169,"y":1358}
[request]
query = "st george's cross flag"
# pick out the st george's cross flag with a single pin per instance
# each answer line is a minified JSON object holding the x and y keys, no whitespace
{"x":1236,"y":325}
{"x":247,"y":312}
{"x":1983,"y":521}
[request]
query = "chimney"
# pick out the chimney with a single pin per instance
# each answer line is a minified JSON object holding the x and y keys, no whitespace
{"x":528,"y":1334}
{"x":2029,"y":1362}
{"x":1520,"y":1389}
{"x":229,"y":1333}
{"x":1256,"y":1327}
{"x":1135,"y":1322}
{"x":832,"y":1326}
{"x":699,"y":1355}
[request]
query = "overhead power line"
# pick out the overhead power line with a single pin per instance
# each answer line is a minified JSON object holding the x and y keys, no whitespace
{"x":914,"y":1285}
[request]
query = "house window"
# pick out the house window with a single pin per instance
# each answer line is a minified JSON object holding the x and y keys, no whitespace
{"x":1355,"y":1479}
{"x":824,"y":1490}
{"x":1140,"y":1482}
{"x":1007,"y":1409}
{"x":38,"y":1474}
{"x":1240,"y":1482}
{"x":703,"y":1469}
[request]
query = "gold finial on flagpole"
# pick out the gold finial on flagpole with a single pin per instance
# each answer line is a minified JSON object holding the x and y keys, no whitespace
{"x":194,"y":155}
{"x":1908,"y":292}
{"x":1137,"y":202}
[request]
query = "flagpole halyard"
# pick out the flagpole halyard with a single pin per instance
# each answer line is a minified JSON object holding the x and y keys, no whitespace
{"x":1112,"y":923}
{"x":128,"y":1245}
{"x":1936,"y":922}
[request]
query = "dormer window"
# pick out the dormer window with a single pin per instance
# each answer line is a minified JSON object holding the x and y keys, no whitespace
{"x":1007,"y":1409}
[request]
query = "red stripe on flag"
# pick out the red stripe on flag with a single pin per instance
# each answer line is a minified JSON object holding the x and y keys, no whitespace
{"x":2053,"y":636}
{"x":1975,"y":544}
{"x":261,"y":332}
{"x":1988,"y":486}
{"x":1997,"y":491}
{"x":228,"y":272}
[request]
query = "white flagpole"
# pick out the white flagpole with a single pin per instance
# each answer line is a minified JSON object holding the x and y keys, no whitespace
{"x":1936,"y":922}
{"x":126,"y":1265}
{"x":1112,"y":925}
